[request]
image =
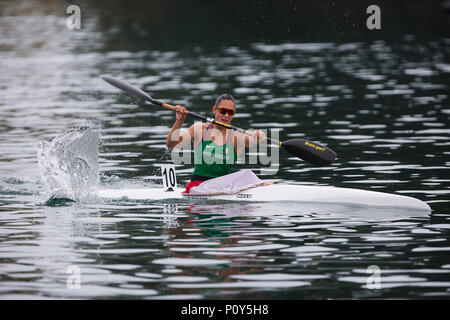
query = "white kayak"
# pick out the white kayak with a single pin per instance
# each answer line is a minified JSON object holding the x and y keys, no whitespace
{"x":278,"y":193}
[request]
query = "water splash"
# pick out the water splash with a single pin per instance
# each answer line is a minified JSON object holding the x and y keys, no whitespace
{"x":69,"y":165}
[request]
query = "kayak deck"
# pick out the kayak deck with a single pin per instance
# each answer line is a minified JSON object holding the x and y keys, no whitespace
{"x":279,"y":193}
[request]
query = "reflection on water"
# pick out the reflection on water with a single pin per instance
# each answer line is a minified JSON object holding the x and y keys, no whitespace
{"x":381,"y":105}
{"x":153,"y":251}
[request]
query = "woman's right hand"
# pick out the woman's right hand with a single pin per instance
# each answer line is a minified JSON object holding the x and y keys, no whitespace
{"x":181,"y":113}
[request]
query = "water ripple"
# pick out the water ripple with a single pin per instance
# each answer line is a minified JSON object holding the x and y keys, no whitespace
{"x":382,"y":106}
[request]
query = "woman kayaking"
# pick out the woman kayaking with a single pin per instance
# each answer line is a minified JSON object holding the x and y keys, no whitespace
{"x":217,"y":143}
{"x":216,"y":148}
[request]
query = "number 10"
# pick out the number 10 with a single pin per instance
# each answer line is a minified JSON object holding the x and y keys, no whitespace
{"x":169,"y":177}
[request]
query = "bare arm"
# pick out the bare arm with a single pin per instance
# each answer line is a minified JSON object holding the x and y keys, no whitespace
{"x":256,"y":138}
{"x":242,"y":141}
{"x":176,"y":137}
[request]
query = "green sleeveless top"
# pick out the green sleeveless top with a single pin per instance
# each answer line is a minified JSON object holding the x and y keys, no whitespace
{"x":211,"y":160}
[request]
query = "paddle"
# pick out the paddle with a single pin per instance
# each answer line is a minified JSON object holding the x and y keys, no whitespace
{"x":309,"y":151}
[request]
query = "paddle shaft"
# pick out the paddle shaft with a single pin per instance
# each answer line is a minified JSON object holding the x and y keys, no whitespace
{"x":312,"y":152}
{"x":206,"y":119}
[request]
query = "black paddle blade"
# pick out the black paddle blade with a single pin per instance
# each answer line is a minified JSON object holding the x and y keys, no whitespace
{"x":128,"y":88}
{"x":312,"y":152}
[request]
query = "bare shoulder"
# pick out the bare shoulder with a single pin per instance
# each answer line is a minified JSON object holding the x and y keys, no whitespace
{"x":198,"y":128}
{"x":198,"y":125}
{"x":239,"y":135}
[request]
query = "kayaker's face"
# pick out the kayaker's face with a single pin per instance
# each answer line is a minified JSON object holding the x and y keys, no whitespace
{"x":224,"y":112}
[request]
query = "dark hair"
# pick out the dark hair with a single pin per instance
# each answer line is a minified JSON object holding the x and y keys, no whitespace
{"x":225,"y":96}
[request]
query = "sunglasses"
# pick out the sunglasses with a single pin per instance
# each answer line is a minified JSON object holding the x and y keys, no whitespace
{"x":225,"y":111}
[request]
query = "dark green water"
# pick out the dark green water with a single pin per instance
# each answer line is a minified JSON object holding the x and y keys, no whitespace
{"x":380,"y":100}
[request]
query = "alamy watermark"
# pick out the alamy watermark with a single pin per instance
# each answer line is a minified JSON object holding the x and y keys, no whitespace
{"x":374,"y":20}
{"x":248,"y":151}
{"x":374,"y":280}
{"x":73,"y":22}
{"x":73,"y":281}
